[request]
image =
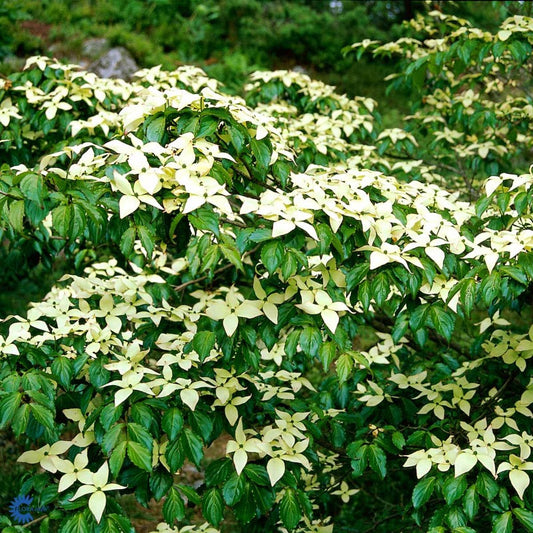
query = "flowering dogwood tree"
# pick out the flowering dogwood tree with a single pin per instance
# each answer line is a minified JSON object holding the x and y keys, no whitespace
{"x":346,"y":307}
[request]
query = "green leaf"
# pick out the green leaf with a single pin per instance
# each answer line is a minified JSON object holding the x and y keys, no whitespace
{"x":261,"y":153}
{"x":110,"y":414}
{"x":443,"y":321}
{"x":468,"y":294}
{"x":525,"y":517}
{"x":173,"y":508}
{"x":344,"y":367}
{"x":471,"y":502}
{"x":515,"y":273}
{"x":237,"y":138}
{"x":147,"y":240}
{"x":486,"y":486}
{"x":44,"y":416}
{"x":310,"y":341}
{"x":208,"y":125}
{"x":210,"y":257}
{"x":75,"y":524}
{"x":190,"y":494}
{"x":289,"y":509}
{"x":140,"y":456}
{"x":155,"y":130}
{"x":62,"y":370}
{"x":203,"y":342}
{"x":160,"y":483}
{"x":456,"y":518}
{"x":116,"y":460}
{"x":381,"y":288}
{"x":272,"y":255}
{"x":257,"y":474}
{"x":98,"y":374}
{"x":172,"y":422}
{"x":453,"y":488}
{"x":233,"y":489}
{"x":503,"y":523}
{"x":218,"y":471}
{"x":327,"y":354}
{"x":423,"y":491}
{"x":490,"y":287}
{"x":62,"y":219}
{"x":193,"y":446}
{"x":32,"y":186}
{"x":126,"y":242}
{"x":245,"y":509}
{"x":356,"y":275}
{"x":20,"y":420}
{"x":111,"y":436}
{"x":15,"y":215}
{"x":204,"y":218}
{"x":213,"y":506}
{"x":377,"y":460}
{"x":140,"y":434}
{"x":232,"y":255}
{"x":8,"y":406}
{"x":398,"y":440}
{"x":175,"y":454}
{"x":201,"y":424}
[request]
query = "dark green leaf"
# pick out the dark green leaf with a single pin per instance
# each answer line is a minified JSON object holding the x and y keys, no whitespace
{"x":173,"y":508}
{"x":193,"y":446}
{"x":272,"y":255}
{"x":423,"y":491}
{"x":218,"y":471}
{"x":453,"y":488}
{"x":503,"y":523}
{"x":377,"y":460}
{"x":44,"y":416}
{"x":160,"y":483}
{"x":140,"y":456}
{"x":172,"y":422}
{"x":203,"y":342}
{"x":443,"y":321}
{"x":289,"y":509}
{"x":32,"y":186}
{"x":525,"y":517}
{"x":233,"y":489}
{"x":156,"y":129}
{"x":8,"y":406}
{"x":310,"y":341}
{"x":213,"y":506}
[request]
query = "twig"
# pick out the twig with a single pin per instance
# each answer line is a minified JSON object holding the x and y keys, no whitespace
{"x":386,"y":519}
{"x":9,"y":195}
{"x":37,"y":520}
{"x":233,"y":222}
{"x":217,"y":271}
{"x":253,"y":180}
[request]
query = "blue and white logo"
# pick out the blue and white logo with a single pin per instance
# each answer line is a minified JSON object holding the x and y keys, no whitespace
{"x":21,"y":509}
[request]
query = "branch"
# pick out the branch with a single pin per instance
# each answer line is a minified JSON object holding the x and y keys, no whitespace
{"x":217,"y":271}
{"x":9,"y":195}
{"x":233,"y":222}
{"x":379,"y":522}
{"x":36,"y":520}
{"x":253,"y":180}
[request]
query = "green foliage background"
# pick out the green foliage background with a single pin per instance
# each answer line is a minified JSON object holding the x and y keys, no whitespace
{"x":226,"y":39}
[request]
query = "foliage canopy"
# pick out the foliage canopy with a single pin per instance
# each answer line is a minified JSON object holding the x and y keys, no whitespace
{"x":283,"y":273}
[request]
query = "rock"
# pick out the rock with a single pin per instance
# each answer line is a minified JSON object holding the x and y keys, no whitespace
{"x":94,"y":48}
{"x":115,"y":63}
{"x":299,"y":69}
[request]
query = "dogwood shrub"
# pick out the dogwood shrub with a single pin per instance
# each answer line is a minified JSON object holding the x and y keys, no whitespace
{"x":280,"y":274}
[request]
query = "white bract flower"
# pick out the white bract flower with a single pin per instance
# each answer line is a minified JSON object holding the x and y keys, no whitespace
{"x":96,"y":485}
